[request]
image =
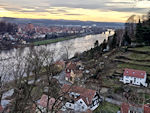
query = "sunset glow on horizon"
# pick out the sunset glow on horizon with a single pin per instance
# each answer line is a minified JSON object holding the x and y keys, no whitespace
{"x":85,"y":10}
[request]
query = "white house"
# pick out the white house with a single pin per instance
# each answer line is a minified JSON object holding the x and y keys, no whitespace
{"x":81,"y":99}
{"x":135,"y":77}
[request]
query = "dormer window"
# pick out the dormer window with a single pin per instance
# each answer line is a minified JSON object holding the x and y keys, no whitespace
{"x":133,"y":72}
{"x":80,"y":102}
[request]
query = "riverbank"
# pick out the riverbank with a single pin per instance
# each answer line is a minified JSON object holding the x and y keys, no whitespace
{"x":49,"y":41}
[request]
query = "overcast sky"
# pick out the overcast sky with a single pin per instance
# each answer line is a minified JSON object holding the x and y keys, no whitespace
{"x":93,"y":10}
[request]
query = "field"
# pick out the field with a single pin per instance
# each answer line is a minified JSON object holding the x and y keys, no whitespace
{"x":43,"y":42}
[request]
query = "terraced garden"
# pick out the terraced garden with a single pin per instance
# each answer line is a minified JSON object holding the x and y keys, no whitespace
{"x":137,"y":59}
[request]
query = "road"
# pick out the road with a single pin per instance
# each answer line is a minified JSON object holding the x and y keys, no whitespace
{"x":112,"y":101}
{"x":61,"y":78}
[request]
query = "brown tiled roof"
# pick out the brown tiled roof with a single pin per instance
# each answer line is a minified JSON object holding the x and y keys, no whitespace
{"x":71,"y":65}
{"x":44,"y":100}
{"x":61,"y":63}
{"x":124,"y":108}
{"x":147,"y":108}
{"x":85,"y":94}
{"x":134,"y":73}
{"x":1,"y":108}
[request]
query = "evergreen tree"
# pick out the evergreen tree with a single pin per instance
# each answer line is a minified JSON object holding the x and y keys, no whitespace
{"x":96,"y":44}
{"x":114,"y":41}
{"x":127,"y":40}
{"x":139,"y":36}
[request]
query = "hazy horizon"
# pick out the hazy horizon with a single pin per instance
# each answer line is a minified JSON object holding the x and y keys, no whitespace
{"x":85,"y":10}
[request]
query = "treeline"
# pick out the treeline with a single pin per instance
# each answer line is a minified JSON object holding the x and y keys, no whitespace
{"x":136,"y":32}
{"x":8,"y":28}
{"x":143,"y":31}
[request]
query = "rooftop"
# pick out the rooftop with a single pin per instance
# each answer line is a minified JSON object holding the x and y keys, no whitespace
{"x":134,"y":73}
{"x":85,"y":94}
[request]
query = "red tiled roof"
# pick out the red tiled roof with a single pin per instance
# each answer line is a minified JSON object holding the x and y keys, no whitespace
{"x":44,"y":99}
{"x":71,"y":65}
{"x":124,"y":108}
{"x":1,"y":108}
{"x":85,"y":94}
{"x":147,"y":108}
{"x":61,"y":63}
{"x":134,"y":73}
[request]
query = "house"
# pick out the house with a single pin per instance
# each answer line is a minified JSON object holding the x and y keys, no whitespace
{"x":42,"y":104}
{"x":60,"y":64}
{"x":73,"y":71}
{"x":135,"y":77}
{"x":147,"y":108}
{"x":128,"y":108}
{"x":1,"y":109}
{"x":80,"y":99}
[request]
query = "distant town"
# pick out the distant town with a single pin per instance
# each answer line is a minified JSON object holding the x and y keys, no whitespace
{"x":27,"y":34}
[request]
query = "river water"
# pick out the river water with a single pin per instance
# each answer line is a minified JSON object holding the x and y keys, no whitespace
{"x":74,"y":45}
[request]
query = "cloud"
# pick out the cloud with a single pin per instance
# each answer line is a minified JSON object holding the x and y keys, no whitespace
{"x":116,"y":5}
{"x":139,"y":10}
{"x":12,"y":9}
{"x":74,"y":14}
{"x":75,"y":9}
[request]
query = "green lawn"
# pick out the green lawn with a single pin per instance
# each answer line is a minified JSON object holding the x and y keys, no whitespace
{"x":124,"y":65}
{"x":106,"y":107}
{"x":113,"y":83}
{"x":43,"y":42}
{"x":144,"y":49}
{"x":137,"y":56}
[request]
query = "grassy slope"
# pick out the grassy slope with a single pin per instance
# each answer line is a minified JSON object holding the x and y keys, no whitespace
{"x":137,"y":56}
{"x":43,"y":42}
{"x":107,"y":108}
{"x":144,"y":49}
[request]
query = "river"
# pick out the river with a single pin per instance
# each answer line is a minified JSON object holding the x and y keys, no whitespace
{"x":75,"y":45}
{"x":79,"y":45}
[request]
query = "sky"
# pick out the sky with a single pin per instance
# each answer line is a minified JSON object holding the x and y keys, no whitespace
{"x":84,"y":10}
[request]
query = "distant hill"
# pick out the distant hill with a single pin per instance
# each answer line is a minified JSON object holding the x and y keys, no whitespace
{"x":49,"y":22}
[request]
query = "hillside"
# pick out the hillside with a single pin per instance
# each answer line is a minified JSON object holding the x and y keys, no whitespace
{"x":107,"y":77}
{"x":49,"y":22}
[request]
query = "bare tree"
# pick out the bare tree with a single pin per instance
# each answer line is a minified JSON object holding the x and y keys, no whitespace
{"x":66,"y":51}
{"x":26,"y":72}
{"x":4,"y":77}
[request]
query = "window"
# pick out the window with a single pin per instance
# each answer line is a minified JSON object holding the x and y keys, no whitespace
{"x":69,"y":105}
{"x":134,"y":79}
{"x":71,"y":78}
{"x":131,"y":111}
{"x":68,"y":70}
{"x":82,"y":107}
{"x":80,"y":102}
